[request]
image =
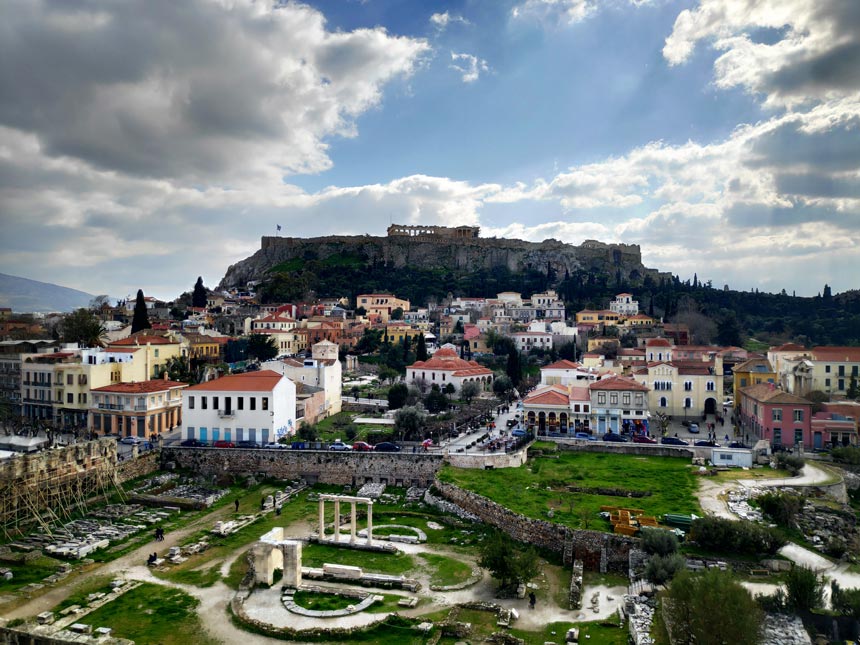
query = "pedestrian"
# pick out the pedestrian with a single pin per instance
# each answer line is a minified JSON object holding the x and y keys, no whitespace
{"x":156,"y":535}
{"x":278,"y":509}
{"x":236,"y":504}
{"x":263,"y":504}
{"x":532,"y":599}
{"x":727,"y":437}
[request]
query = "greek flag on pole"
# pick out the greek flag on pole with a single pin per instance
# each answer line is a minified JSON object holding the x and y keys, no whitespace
{"x":279,"y":227}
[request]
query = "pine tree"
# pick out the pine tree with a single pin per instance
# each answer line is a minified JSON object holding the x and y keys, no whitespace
{"x":140,"y":320}
{"x":421,"y":349}
{"x":198,"y":297}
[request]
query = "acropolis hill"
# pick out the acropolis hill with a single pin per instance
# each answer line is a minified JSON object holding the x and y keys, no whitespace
{"x":456,"y":249}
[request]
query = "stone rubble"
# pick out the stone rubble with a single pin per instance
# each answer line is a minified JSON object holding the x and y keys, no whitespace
{"x":371,"y":490}
{"x":780,"y":629}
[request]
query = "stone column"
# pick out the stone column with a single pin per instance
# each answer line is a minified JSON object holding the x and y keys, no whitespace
{"x":370,"y":522}
{"x":337,"y":520}
{"x":322,"y":519}
{"x":352,"y":524}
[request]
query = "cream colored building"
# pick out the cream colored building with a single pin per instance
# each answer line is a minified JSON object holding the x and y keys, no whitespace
{"x":683,"y":388}
{"x":380,"y":305}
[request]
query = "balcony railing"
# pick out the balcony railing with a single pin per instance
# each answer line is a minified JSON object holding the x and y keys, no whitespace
{"x":111,"y":406}
{"x":226,"y":413}
{"x":140,"y":408}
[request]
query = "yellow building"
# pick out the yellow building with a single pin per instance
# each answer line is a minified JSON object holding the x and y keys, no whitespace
{"x":397,"y":333}
{"x":153,"y":350}
{"x":598,"y":317}
{"x":380,"y":305}
{"x":751,"y":372}
{"x":597,"y":342}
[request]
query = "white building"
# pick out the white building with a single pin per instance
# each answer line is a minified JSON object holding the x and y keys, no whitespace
{"x":446,"y":367}
{"x":321,"y":370}
{"x":564,"y":372}
{"x":624,"y":305}
{"x":254,"y":406}
{"x":526,"y":340}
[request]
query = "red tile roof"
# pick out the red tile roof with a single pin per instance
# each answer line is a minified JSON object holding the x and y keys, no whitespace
{"x":618,"y":383}
{"x":121,"y":350}
{"x":447,"y":360}
{"x":658,"y":342}
{"x":769,"y":393}
{"x":552,"y":395}
{"x":788,"y":347}
{"x":563,"y":364}
{"x":142,"y":340}
{"x":262,"y":381}
{"x":837,"y":354}
{"x":143,"y":387}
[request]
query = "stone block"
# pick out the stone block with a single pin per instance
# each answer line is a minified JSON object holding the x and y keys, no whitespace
{"x":45,"y":618}
{"x":81,"y":628}
{"x":342,"y":571}
{"x":103,"y":632}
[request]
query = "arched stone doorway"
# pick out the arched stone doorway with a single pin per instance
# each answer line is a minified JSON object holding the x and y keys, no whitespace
{"x":542,"y":423}
{"x":710,"y":405}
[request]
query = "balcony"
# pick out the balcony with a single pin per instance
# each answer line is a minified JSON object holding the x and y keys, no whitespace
{"x":111,"y":406}
{"x":140,"y":408}
{"x":226,"y":414}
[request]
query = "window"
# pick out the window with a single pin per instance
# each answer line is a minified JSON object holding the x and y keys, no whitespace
{"x":240,"y":402}
{"x":798,"y":416}
{"x":662,"y":401}
{"x":203,"y":405}
{"x":156,"y":353}
{"x":827,"y":369}
{"x":640,"y":399}
{"x":777,"y":414}
{"x":601,"y":398}
{"x":69,"y":379}
{"x":841,"y":370}
{"x":743,"y":382}
{"x":613,"y":399}
{"x":70,"y":398}
{"x":798,"y":437}
{"x":214,"y":402}
{"x":253,"y":401}
{"x":625,"y":398}
{"x":688,"y":386}
{"x":827,"y":382}
{"x":585,"y":408}
{"x":688,"y":402}
{"x":190,"y":402}
{"x":777,"y":436}
{"x":725,"y":457}
{"x":841,"y":384}
{"x":710,"y":386}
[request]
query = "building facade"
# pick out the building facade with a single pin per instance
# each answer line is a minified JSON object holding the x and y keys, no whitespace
{"x":143,"y":410}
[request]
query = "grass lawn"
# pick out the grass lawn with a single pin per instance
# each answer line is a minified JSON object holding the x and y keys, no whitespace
{"x":540,"y":486}
{"x":757,"y":473}
{"x":599,"y":634}
{"x":315,"y":555}
{"x":24,"y":573}
{"x":323,"y":601}
{"x":445,"y":571}
{"x":153,"y":614}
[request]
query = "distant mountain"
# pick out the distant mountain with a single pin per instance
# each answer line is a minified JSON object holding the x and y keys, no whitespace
{"x":31,"y":296}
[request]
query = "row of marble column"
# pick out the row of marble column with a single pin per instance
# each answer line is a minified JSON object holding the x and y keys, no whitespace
{"x":352,"y":522}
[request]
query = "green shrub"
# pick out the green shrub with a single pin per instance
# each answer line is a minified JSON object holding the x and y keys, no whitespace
{"x":792,"y":463}
{"x":846,"y":455}
{"x":804,"y":589}
{"x":780,"y":507}
{"x":662,"y":568}
{"x":659,"y":542}
{"x":726,"y":536}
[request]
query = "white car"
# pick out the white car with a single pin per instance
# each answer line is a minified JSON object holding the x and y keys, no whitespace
{"x":131,"y":441}
{"x":728,"y":403}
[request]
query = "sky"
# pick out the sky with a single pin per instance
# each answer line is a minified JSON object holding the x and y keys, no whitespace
{"x":145,"y":143}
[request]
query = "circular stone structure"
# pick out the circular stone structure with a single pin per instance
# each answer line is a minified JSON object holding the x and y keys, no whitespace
{"x":421,"y":535}
{"x":361,"y":605}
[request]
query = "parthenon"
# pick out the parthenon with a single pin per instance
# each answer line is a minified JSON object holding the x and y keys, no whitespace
{"x":462,"y":232}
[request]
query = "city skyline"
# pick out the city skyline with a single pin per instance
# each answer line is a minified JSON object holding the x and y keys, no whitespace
{"x":144,"y":144}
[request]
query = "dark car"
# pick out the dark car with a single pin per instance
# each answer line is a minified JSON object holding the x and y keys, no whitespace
{"x":738,"y":444}
{"x":707,"y":444}
{"x":617,"y":438}
{"x":386,"y":446}
{"x":223,"y":443}
{"x":642,"y":438}
{"x":247,"y":444}
{"x":519,"y":432}
{"x":193,"y":443}
{"x":510,"y":423}
{"x":673,"y":441}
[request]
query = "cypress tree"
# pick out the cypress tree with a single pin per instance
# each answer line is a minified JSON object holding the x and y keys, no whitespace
{"x":198,"y":297}
{"x":141,"y":318}
{"x":421,"y":349}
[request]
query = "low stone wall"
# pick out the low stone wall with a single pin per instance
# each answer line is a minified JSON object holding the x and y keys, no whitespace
{"x":328,"y":467}
{"x":598,"y":551}
{"x":488,"y":461}
{"x":642,"y":449}
{"x":145,"y":464}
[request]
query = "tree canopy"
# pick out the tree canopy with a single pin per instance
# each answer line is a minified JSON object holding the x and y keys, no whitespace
{"x":262,"y":347}
{"x":199,"y":295}
{"x":505,"y":562}
{"x":83,"y":328}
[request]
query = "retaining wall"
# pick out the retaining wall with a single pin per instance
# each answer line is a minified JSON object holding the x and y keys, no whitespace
{"x":598,"y":551}
{"x":650,"y":450}
{"x":145,"y":464}
{"x":327,"y":467}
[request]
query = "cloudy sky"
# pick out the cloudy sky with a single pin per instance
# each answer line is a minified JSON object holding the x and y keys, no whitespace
{"x":145,"y":143}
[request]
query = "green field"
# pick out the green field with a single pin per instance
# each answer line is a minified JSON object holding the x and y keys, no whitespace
{"x":152,"y":614}
{"x":541,"y":485}
{"x":395,"y":564}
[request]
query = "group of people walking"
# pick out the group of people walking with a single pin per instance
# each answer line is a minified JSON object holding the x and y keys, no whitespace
{"x":159,"y":534}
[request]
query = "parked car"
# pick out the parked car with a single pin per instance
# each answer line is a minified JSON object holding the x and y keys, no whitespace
{"x":585,"y":435}
{"x":223,"y":443}
{"x":612,"y":436}
{"x":738,"y":444}
{"x":642,"y":438}
{"x":193,"y":443}
{"x":707,"y":444}
{"x":729,"y":403}
{"x":511,"y":423}
{"x":673,"y":441}
{"x":247,"y":444}
{"x":276,"y":446}
{"x":519,"y":432}
{"x":362,"y":446}
{"x":340,"y":446}
{"x":694,"y":428}
{"x":130,"y":441}
{"x":386,"y":446}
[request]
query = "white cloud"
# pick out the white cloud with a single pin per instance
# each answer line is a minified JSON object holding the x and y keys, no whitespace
{"x":790,"y":51}
{"x":567,"y":12}
{"x":442,"y":20}
{"x":470,"y":67}
{"x":199,"y":90}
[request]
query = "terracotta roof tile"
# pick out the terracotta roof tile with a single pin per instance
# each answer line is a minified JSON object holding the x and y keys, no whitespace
{"x":262,"y":381}
{"x":618,"y":383}
{"x":563,"y":364}
{"x":143,"y":387}
{"x":769,"y":393}
{"x":142,"y":340}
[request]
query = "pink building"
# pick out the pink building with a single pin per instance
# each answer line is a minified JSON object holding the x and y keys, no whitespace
{"x":767,"y":412}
